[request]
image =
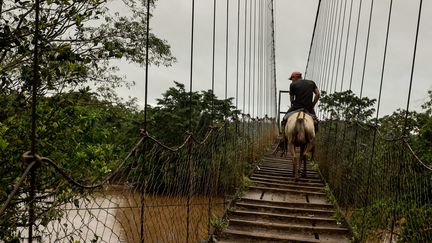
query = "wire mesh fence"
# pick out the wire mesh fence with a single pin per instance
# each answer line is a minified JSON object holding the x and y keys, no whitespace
{"x":157,"y":194}
{"x":381,"y":186}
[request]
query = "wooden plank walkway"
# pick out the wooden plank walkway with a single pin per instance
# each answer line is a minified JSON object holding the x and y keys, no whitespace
{"x":276,"y":208}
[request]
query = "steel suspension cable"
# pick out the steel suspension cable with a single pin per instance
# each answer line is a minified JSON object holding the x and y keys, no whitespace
{"x":250,"y":54}
{"x":329,"y":46}
{"x":355,"y":44}
{"x":322,"y":49}
{"x":333,"y":47}
{"x":335,"y":64}
{"x":145,"y":114}
{"x":316,"y":43}
{"x":238,"y":51}
{"x":313,"y":37}
{"x":413,"y":65}
{"x":259,"y":59}
{"x":319,"y":45}
{"x":367,"y":48}
{"x":209,"y":214}
{"x":190,"y":116}
{"x":226,"y":48}
{"x":254,"y":59}
{"x":213,"y":48}
{"x":340,"y":44}
{"x":384,"y":61}
{"x":346,"y":45}
{"x":325,"y":45}
{"x":34,"y":86}
{"x":381,"y":82}
{"x":335,"y":51}
{"x":191,"y":64}
{"x":244,"y":57}
{"x":274,"y":55}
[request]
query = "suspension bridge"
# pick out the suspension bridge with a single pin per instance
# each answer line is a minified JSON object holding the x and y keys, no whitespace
{"x":370,"y":180}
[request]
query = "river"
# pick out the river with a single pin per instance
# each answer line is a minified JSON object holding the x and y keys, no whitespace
{"x":115,"y":216}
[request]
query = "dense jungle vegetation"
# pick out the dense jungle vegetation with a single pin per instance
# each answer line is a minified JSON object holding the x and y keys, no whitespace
{"x":81,"y":123}
{"x":379,"y":171}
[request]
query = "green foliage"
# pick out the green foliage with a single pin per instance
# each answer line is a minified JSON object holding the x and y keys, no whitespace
{"x":219,"y":224}
{"x":347,"y":106}
{"x":178,"y":111}
{"x":372,"y":219}
{"x":376,"y":178}
{"x":77,"y":42}
{"x":418,"y":224}
{"x":84,"y":135}
{"x":399,"y":123}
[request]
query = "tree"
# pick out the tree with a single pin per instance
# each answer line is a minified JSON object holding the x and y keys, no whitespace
{"x":347,"y":106}
{"x":77,"y":41}
{"x":82,"y":132}
{"x":179,"y":111}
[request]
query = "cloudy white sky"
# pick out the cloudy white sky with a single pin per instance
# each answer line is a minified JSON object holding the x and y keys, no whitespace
{"x":294,"y":21}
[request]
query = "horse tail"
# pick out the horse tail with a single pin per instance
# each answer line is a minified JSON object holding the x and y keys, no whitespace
{"x":299,"y":129}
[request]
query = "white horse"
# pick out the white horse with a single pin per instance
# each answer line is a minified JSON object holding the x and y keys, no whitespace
{"x":300,"y":132}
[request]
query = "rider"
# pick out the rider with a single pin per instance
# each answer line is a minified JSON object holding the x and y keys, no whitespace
{"x":301,"y":93}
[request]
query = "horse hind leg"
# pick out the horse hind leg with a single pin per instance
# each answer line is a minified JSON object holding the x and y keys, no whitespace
{"x":291,"y":151}
{"x":303,"y":159}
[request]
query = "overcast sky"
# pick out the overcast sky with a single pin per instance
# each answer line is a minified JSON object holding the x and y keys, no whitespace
{"x":294,"y":21}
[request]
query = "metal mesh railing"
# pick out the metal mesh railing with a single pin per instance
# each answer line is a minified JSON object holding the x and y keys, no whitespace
{"x":157,"y":194}
{"x":381,"y":186}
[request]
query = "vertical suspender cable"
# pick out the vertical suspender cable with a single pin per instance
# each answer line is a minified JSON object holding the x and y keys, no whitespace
{"x":226,"y":49}
{"x":238,"y":51}
{"x":328,"y":49}
{"x":334,"y":79}
{"x":324,"y":46}
{"x":340,"y":45}
{"x":274,"y":56}
{"x":322,"y":51}
{"x":313,"y":38}
{"x":315,"y":47}
{"x":378,"y":106}
{"x":323,"y":42}
{"x":250,"y":54}
{"x":190,"y":120}
{"x":355,"y":44}
{"x":146,"y":65}
{"x":35,"y":82}
{"x":381,"y":81}
{"x":384,"y":61}
{"x":244,"y":58}
{"x":320,"y":46}
{"x":254,"y":59}
{"x":346,"y":45}
{"x":259,"y":60}
{"x":209,"y":214}
{"x":191,"y":65}
{"x":367,"y":47}
{"x":145,"y":113}
{"x":333,"y":33}
{"x":412,"y":67}
{"x":213,"y":46}
{"x":313,"y":55}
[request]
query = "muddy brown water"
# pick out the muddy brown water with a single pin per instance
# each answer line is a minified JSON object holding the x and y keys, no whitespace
{"x":115,"y":216}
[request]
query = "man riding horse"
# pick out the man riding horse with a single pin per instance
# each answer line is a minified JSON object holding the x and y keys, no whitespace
{"x":302,"y":125}
{"x":301,"y":93}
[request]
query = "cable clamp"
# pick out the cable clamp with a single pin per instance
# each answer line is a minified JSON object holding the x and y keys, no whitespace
{"x":29,"y":158}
